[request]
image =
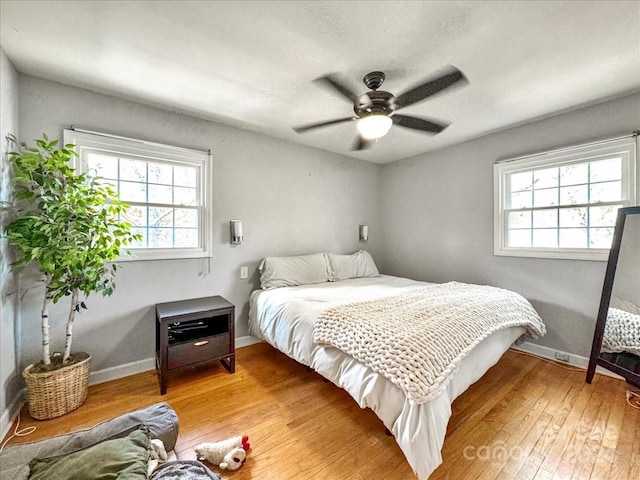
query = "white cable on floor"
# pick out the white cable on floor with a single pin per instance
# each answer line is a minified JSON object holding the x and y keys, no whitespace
{"x":633,"y":398}
{"x":18,"y":433}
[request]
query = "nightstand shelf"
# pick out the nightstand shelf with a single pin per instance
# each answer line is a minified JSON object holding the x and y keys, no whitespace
{"x":194,"y":332}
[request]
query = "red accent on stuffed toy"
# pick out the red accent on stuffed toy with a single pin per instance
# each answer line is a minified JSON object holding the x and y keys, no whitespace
{"x":245,"y":443}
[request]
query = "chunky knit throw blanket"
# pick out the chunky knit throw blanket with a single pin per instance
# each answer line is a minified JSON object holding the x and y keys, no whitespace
{"x":418,"y":338}
{"x":621,"y":332}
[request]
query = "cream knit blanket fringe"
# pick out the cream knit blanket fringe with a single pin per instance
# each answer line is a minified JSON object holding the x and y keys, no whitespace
{"x":418,"y":338}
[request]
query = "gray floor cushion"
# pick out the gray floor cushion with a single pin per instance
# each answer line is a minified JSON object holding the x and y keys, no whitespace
{"x":160,"y":418}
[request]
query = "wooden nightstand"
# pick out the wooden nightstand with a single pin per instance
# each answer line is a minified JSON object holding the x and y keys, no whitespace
{"x":194,"y":332}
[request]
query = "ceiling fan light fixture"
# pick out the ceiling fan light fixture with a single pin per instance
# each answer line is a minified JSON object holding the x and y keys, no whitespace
{"x":376,"y":110}
{"x":374,"y":126}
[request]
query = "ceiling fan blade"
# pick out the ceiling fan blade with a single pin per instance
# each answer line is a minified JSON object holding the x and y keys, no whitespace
{"x":361,"y":143}
{"x":311,"y":126}
{"x":430,"y":87}
{"x":421,"y":124}
{"x":333,"y":83}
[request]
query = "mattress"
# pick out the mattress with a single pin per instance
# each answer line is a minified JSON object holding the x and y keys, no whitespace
{"x":285,"y":317}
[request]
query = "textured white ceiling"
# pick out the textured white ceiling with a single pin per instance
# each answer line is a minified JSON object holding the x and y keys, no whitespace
{"x":250,"y":64}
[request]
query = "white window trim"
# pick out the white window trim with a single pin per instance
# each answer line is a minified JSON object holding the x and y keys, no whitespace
{"x":151,"y":151}
{"x":626,"y":146}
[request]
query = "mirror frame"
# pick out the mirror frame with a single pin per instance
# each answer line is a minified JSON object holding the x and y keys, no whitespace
{"x":595,"y":359}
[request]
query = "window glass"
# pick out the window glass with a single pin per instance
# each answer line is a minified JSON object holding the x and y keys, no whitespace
{"x":564,"y":204}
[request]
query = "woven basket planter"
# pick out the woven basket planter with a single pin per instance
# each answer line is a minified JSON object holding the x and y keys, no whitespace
{"x":55,"y":393}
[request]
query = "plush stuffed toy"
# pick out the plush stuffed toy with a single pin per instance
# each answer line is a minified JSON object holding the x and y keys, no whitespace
{"x":228,"y":454}
{"x":157,"y":455}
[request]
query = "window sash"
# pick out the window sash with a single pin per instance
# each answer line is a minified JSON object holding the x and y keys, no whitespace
{"x":131,"y":149}
{"x":624,"y":148}
{"x":174,"y":227}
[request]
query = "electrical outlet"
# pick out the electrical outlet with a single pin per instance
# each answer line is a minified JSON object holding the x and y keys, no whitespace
{"x":244,"y":272}
{"x":563,"y":357}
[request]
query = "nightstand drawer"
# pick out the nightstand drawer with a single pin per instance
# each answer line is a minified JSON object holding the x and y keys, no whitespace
{"x":199,"y":350}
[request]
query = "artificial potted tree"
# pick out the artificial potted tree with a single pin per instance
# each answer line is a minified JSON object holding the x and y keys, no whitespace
{"x":68,"y":225}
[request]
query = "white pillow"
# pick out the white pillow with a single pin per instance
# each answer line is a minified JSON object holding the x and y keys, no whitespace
{"x":291,"y":271}
{"x":360,"y":264}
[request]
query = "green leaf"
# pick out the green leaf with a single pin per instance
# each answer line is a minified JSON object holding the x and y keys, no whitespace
{"x":68,"y":224}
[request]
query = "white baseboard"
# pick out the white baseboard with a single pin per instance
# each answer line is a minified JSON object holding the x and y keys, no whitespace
{"x":133,"y":368}
{"x":10,"y":413}
{"x":121,"y":371}
{"x":246,"y":341}
{"x":550,"y":354}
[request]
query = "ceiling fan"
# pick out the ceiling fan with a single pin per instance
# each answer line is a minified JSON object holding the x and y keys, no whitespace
{"x":375,"y":110}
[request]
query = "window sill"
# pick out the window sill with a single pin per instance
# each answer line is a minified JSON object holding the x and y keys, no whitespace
{"x":598,"y":255}
{"x":162,"y":254}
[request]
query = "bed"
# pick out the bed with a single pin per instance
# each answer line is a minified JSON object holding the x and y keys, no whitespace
{"x":285,"y":316}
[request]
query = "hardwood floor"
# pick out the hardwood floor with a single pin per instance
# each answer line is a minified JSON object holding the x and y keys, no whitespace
{"x":525,"y":419}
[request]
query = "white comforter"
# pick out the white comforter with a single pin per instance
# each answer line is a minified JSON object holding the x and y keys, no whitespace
{"x":285,"y":317}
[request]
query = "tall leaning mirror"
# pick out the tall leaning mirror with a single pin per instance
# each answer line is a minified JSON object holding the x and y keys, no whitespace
{"x":616,"y":342}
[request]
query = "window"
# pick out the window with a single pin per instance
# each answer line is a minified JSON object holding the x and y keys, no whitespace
{"x":167,"y":188}
{"x":564,"y":203}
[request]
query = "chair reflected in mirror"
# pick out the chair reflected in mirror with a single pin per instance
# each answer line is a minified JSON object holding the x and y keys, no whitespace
{"x":616,"y":341}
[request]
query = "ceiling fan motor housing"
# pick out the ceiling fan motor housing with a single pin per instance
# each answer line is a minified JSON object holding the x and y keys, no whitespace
{"x":374,"y":102}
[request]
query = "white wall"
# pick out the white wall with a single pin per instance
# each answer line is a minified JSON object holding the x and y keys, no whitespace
{"x":291,"y":200}
{"x":10,"y":383}
{"x":437,"y":213}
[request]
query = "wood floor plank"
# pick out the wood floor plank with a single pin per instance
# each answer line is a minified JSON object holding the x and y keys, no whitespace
{"x":597,"y":425}
{"x":527,"y":405}
{"x":517,"y":437}
{"x":604,"y":461}
{"x":552,"y":441}
{"x":557,"y":387}
{"x":514,"y":410}
{"x":634,"y":467}
{"x":624,"y":455}
{"x":575,"y":452}
{"x":465,"y":408}
{"x":468,"y":441}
